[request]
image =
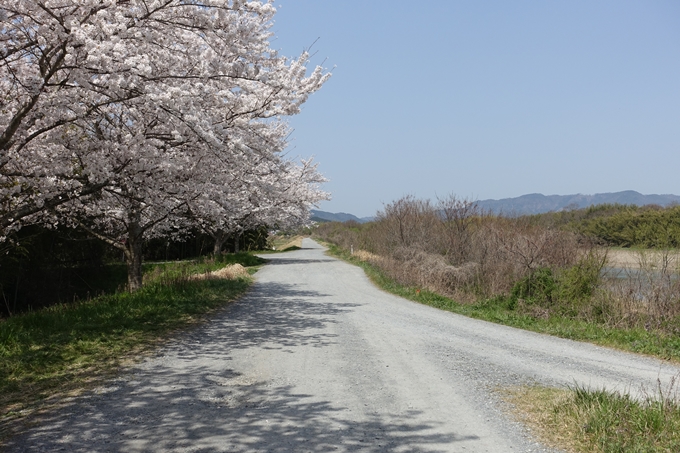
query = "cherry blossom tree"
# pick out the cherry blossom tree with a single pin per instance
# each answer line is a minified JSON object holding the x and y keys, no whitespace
{"x":116,"y":115}
{"x":277,"y":194}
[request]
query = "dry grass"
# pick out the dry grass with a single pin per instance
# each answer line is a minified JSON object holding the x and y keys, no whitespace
{"x":431,"y":271}
{"x":286,"y":242}
{"x":584,"y":420}
{"x":413,"y":267}
{"x":231,"y":272}
{"x":637,"y":259}
{"x":295,"y":242}
{"x":363,"y":255}
{"x":534,"y":407}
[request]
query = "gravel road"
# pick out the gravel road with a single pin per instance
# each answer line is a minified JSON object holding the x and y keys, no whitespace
{"x":316,"y":359}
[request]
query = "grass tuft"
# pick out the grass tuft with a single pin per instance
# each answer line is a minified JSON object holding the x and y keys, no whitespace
{"x":583,"y":420}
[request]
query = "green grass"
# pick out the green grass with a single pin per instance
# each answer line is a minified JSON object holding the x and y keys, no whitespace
{"x":60,"y":349}
{"x":620,"y":423}
{"x":168,"y":272}
{"x":584,"y":420}
{"x":498,"y":310}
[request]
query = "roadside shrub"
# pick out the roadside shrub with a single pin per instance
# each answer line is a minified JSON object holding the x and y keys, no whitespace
{"x":539,"y":288}
{"x":568,"y":292}
{"x":578,"y":285}
{"x":454,"y":248}
{"x":579,"y":282}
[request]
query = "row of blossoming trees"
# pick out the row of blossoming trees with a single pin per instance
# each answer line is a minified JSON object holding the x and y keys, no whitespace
{"x":139,"y":118}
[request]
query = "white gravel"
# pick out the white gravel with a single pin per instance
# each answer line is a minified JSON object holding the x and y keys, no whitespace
{"x":316,"y":359}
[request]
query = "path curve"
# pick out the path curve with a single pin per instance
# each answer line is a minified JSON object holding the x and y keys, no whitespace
{"x":315,"y":358}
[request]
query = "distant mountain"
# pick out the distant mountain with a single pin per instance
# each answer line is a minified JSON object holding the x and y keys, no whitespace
{"x":323,"y":216}
{"x":534,"y":203}
{"x":537,"y":203}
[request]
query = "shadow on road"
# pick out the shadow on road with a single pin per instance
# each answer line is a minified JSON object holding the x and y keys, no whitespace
{"x":208,"y":410}
{"x":271,"y":315}
{"x":190,"y":399}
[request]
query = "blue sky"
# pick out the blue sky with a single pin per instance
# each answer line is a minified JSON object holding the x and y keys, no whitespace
{"x":487,"y":99}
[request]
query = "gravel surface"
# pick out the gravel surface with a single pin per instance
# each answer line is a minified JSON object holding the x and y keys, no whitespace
{"x":316,"y":359}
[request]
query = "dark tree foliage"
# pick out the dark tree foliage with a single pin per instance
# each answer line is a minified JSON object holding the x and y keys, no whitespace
{"x":649,"y":226}
{"x":40,"y":267}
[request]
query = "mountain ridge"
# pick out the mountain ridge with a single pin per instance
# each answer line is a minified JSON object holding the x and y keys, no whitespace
{"x":324,"y":216}
{"x":535,"y":203}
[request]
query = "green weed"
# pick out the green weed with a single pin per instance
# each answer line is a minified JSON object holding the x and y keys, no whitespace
{"x":583,"y":420}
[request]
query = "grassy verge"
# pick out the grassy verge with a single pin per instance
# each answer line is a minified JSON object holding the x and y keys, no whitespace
{"x":167,"y":273}
{"x":585,"y":421}
{"x":498,"y":310}
{"x":59,"y":350}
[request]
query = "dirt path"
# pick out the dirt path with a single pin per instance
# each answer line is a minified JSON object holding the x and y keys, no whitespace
{"x":317,"y":359}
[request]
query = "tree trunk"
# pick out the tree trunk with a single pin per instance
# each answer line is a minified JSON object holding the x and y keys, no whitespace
{"x":220,"y":237}
{"x":133,"y":251}
{"x":237,"y":241}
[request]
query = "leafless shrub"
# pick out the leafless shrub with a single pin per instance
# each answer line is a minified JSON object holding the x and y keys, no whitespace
{"x":646,"y":296}
{"x":459,"y":219}
{"x":407,"y":222}
{"x":431,"y":271}
{"x":344,"y":235}
{"x":454,"y":248}
{"x":510,"y":249}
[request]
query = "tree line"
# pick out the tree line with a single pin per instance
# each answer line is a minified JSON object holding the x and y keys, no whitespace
{"x":650,"y":226}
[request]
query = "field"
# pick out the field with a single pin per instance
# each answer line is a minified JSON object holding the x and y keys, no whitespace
{"x":641,"y":258}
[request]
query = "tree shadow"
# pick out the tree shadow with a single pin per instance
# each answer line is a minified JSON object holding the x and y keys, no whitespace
{"x":209,"y":410}
{"x":190,"y":398}
{"x":272,"y":315}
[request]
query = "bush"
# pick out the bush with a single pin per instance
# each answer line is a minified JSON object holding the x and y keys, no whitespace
{"x":538,"y":288}
{"x":579,"y":282}
{"x":568,"y":291}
